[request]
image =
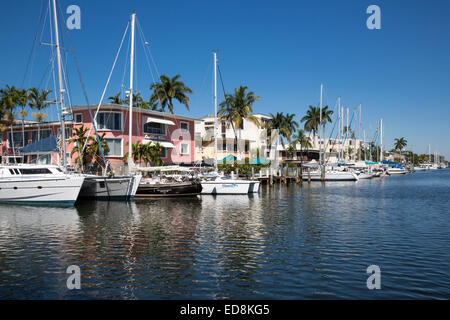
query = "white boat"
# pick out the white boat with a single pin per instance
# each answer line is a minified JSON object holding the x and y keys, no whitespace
{"x":38,"y":184}
{"x":365,"y":175}
{"x":392,"y":171}
{"x":221,"y":185}
{"x":330,"y":175}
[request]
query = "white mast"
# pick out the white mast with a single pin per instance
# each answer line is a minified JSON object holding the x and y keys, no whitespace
{"x":320,"y":123}
{"x":130,"y":128}
{"x":339,"y":127}
{"x":359,"y":135}
{"x":61,"y":87}
{"x":215,"y":110}
{"x":365,"y":150}
{"x":346,"y":133}
{"x":381,"y":139}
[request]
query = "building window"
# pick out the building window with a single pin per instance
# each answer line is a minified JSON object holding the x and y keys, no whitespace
{"x":241,"y":124}
{"x":184,"y":148}
{"x":109,"y":121}
{"x":184,"y":126}
{"x":45,"y":133}
{"x":115,"y":147}
{"x":68,"y":133}
{"x":224,"y":127}
{"x":78,"y":118}
{"x":163,"y":153}
{"x":155,"y":128}
{"x":43,"y":159}
{"x":18,"y":139}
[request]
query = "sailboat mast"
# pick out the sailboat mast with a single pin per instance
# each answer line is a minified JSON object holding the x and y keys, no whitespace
{"x":320,"y":123}
{"x":339,"y":127}
{"x":61,"y":86}
{"x":359,"y":128}
{"x":381,"y":139}
{"x":215,"y":110}
{"x":130,"y":128}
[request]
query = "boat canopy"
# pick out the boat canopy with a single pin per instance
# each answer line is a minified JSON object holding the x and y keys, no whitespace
{"x":164,"y":144}
{"x":162,"y":121}
{"x":371,"y":162}
{"x":260,"y":160}
{"x":49,"y":144}
{"x":229,"y":157}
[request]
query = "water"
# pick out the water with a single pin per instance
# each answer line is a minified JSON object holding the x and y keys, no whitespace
{"x":287,"y":242}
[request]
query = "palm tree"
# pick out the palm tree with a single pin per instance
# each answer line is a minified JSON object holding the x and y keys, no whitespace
{"x":285,"y":125}
{"x":91,"y":149}
{"x":305,"y":142}
{"x":169,"y":89}
{"x":312,"y":119}
{"x":79,"y":140}
{"x":9,"y":102}
{"x":399,"y":144}
{"x":151,"y":153}
{"x":38,"y":101}
{"x":116,"y":99}
{"x":326,"y":118}
{"x":237,"y":108}
{"x":22,"y":100}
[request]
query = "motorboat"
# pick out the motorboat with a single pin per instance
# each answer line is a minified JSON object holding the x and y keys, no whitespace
{"x":330,"y":175}
{"x":217,"y":184}
{"x":38,"y":184}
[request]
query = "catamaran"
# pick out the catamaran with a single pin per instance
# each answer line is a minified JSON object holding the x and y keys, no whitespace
{"x":115,"y":187}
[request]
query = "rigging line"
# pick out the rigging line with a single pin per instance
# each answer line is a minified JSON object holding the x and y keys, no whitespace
{"x":33,"y":47}
{"x":154,"y":63}
{"x":202,"y":84}
{"x":329,"y":139}
{"x":143,"y":42}
{"x":77,"y":67}
{"x":221,"y":81}
{"x":66,"y":83}
{"x":151,"y":56}
{"x":125,"y":67}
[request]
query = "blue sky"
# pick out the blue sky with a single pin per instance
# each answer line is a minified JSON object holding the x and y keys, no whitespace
{"x":281,"y":50}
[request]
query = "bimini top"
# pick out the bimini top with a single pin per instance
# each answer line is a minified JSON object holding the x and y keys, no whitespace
{"x":45,"y":145}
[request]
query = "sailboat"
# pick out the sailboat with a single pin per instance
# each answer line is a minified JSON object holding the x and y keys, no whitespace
{"x":116,"y":187}
{"x":219,"y":184}
{"x":42,"y":184}
{"x":324,"y":172}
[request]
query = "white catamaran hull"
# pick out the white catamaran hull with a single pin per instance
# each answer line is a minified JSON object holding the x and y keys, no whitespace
{"x":229,"y":187}
{"x":108,"y":188}
{"x":28,"y":190}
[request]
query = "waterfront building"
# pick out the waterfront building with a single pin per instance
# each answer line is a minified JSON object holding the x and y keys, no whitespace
{"x":174,"y":133}
{"x":250,"y":136}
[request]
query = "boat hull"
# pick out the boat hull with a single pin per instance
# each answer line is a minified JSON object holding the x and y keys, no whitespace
{"x":182,"y":189}
{"x":331,"y":176}
{"x":229,"y":187}
{"x":107,"y":188}
{"x":63,"y":190}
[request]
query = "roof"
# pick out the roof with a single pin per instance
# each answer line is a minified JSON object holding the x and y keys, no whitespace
{"x":45,"y":145}
{"x":140,"y":110}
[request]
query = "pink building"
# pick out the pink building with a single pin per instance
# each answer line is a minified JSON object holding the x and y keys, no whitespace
{"x":174,"y":133}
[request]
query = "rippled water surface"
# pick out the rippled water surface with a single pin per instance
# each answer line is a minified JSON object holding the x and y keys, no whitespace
{"x":287,"y":242}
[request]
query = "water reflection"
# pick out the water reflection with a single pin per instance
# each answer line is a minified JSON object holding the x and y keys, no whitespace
{"x":287,"y":242}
